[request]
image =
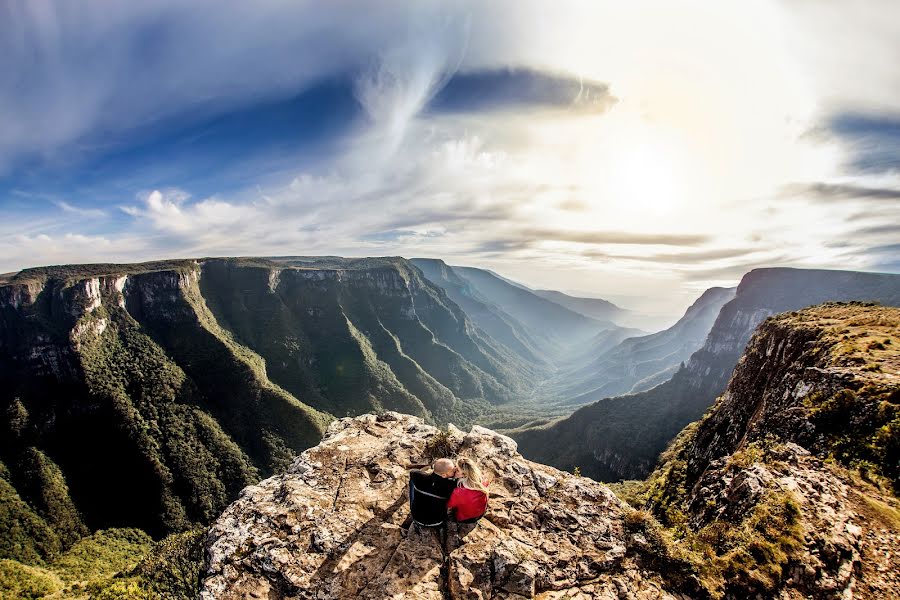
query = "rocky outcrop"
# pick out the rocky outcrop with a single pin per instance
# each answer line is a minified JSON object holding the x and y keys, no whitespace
{"x":796,"y":461}
{"x":336,"y":525}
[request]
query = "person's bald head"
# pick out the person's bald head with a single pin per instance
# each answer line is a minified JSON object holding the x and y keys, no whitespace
{"x":444,"y":467}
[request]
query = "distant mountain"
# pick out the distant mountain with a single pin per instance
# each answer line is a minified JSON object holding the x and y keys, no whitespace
{"x":595,"y":308}
{"x":149,"y":395}
{"x":492,"y":319}
{"x":513,"y":314}
{"x":639,"y":363}
{"x":549,"y":318}
{"x":622,"y":437}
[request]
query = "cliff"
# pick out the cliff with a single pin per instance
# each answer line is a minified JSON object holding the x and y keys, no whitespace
{"x":788,"y":485}
{"x":622,"y":437}
{"x":335,"y":525}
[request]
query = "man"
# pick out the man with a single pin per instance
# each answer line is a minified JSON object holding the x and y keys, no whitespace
{"x":429,"y":492}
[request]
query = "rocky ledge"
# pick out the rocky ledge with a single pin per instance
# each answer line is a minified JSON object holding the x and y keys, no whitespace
{"x":336,"y":525}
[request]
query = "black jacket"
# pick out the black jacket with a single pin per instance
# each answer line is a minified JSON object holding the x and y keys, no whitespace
{"x":428,"y":495}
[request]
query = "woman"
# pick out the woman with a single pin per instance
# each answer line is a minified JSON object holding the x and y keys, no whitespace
{"x":468,"y":502}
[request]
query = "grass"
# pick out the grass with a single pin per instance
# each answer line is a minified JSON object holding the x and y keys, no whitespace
{"x":113,"y":564}
{"x":25,"y":582}
{"x":860,"y":428}
{"x":725,"y":558}
{"x":632,"y":491}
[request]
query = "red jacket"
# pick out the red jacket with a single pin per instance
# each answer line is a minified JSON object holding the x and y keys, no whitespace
{"x":467,"y":504}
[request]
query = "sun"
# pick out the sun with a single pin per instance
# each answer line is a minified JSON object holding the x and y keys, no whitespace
{"x":643,"y":176}
{"x":635,"y":169}
{"x":648,"y":171}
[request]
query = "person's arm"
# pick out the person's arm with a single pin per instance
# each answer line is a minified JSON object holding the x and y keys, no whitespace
{"x":453,"y":502}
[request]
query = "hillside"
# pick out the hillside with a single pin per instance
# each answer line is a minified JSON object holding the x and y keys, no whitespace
{"x":786,"y":488}
{"x":788,"y":485}
{"x":149,"y":395}
{"x":562,"y":330}
{"x":622,"y":437}
{"x":491,"y":318}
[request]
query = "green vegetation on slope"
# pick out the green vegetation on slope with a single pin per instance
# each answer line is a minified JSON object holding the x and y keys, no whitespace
{"x":333,"y":333}
{"x":112,"y":564}
{"x":741,"y":543}
{"x":145,"y":395}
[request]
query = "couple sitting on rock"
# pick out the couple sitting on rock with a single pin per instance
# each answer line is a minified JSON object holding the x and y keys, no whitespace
{"x":455,"y":490}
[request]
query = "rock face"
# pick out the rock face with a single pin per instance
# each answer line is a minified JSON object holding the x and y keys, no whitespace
{"x":622,"y":437}
{"x":336,"y":525}
{"x":821,"y":383}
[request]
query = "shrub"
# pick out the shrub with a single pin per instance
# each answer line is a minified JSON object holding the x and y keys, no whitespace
{"x":173,"y":568}
{"x":25,"y":582}
{"x":124,"y":588}
{"x":632,"y":491}
{"x":440,"y":445}
{"x":102,"y":555}
{"x":757,"y":550}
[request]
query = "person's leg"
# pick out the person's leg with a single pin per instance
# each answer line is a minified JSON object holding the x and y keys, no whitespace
{"x":442,"y":535}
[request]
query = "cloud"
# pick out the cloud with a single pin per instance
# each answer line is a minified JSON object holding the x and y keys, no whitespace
{"x":686,"y":258}
{"x":522,"y":89}
{"x":843,"y":191}
{"x":94,"y":213}
{"x":616,"y":237}
{"x":172,"y":212}
{"x":67,"y":248}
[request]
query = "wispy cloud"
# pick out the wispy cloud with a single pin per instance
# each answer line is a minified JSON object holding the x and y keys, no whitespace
{"x":93,"y":213}
{"x":616,"y":237}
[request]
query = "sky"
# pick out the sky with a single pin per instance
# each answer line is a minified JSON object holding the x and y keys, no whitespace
{"x":640,"y":151}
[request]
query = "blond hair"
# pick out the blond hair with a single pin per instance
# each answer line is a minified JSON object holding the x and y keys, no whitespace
{"x":472,"y":477}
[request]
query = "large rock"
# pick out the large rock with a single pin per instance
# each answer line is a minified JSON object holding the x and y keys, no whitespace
{"x":336,"y":525}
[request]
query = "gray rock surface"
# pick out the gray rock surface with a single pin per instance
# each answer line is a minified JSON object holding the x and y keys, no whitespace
{"x":335,"y":525}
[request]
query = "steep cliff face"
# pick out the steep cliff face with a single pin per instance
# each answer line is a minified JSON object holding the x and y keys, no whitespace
{"x":622,"y":437}
{"x":125,"y":404}
{"x":789,"y":482}
{"x":336,"y":525}
{"x":362,"y":335}
{"x":149,"y":395}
